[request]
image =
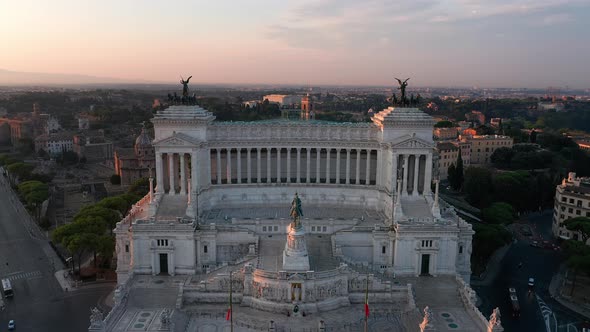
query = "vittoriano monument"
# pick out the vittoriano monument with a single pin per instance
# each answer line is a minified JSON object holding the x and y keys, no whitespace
{"x":403,"y":100}
{"x":295,"y":256}
{"x":185,"y":99}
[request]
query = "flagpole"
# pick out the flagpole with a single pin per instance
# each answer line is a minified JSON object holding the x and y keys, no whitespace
{"x":367,"y":306}
{"x":231,"y":310}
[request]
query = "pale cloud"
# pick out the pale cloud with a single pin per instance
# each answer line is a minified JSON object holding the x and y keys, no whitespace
{"x":556,"y":19}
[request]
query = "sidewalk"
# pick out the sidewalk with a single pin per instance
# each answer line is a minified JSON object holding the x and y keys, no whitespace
{"x":555,"y":291}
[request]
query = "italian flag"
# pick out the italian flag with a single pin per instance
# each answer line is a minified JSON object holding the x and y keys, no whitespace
{"x":367,"y":300}
{"x":229,"y":309}
{"x":228,"y":314}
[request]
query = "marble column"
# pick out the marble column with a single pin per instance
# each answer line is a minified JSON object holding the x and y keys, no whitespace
{"x":308,"y":164}
{"x":279,"y":165}
{"x":182,"y":174}
{"x":338,"y":166}
{"x":317,"y":165}
{"x":228,"y":165}
{"x":428,"y":174}
{"x":368,"y":171}
{"x":357,"y":180}
{"x":298,"y":165}
{"x":249,"y":165}
{"x":395,"y":174}
{"x":288,"y":165}
{"x":239,"y":169}
{"x":218,"y":166}
{"x":159,"y":172}
{"x":194,"y":174}
{"x":347,"y":166}
{"x":268,"y":168}
{"x":416,"y":174}
{"x":171,"y":172}
{"x":328,"y":173}
{"x":258,"y":165}
{"x":405,"y":184}
{"x":378,"y":169}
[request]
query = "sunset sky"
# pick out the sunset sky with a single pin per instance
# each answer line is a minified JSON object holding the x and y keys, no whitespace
{"x":486,"y":43}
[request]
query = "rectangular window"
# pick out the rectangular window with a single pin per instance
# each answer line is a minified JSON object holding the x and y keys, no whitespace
{"x":276,"y":228}
{"x":383,"y":249}
{"x":324,"y":229}
{"x":460,"y":249}
{"x":563,"y":199}
{"x":126,"y":248}
{"x":205,"y":249}
{"x":571,"y":200}
{"x":570,"y":210}
{"x":263,"y":227}
{"x":578,"y":212}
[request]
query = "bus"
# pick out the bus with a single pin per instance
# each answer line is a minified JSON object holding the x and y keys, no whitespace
{"x":514,"y":302}
{"x":7,"y":288}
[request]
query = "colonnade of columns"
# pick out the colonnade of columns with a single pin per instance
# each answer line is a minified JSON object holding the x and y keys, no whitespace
{"x":294,"y":165}
{"x":175,"y":171}
{"x":414,"y":171}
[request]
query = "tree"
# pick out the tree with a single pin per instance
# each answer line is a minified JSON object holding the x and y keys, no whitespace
{"x":34,"y":193}
{"x":115,"y":179}
{"x":452,"y":175}
{"x":486,"y":240}
{"x":578,"y":259}
{"x":459,"y":176}
{"x":20,"y":171}
{"x":502,"y":157}
{"x":444,"y":124}
{"x":581,"y":225}
{"x":107,"y":216}
{"x":114,"y":203}
{"x":498,"y":213}
{"x":477,"y":186}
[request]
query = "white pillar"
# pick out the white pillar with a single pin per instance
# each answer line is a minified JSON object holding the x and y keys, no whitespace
{"x":405,"y":184}
{"x":258,"y":165}
{"x":358,"y":167}
{"x":347,"y":166}
{"x":218,"y":170}
{"x":239,"y":169}
{"x":416,"y":175}
{"x":328,"y":173}
{"x":428,"y":173}
{"x":151,"y":189}
{"x":228,"y":165}
{"x":279,"y":165}
{"x":159,"y":172}
{"x":394,"y":182}
{"x":268,"y":168}
{"x":338,"y":166}
{"x":194,"y":174}
{"x":317,"y":165}
{"x":182,"y":174}
{"x":288,"y":165}
{"x":171,"y":173}
{"x":249,"y":165}
{"x":378,"y":169}
{"x":298,"y":165}
{"x":368,"y":171}
{"x":308,"y":164}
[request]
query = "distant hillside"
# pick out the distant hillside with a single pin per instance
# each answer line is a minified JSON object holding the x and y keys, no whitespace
{"x":8,"y":77}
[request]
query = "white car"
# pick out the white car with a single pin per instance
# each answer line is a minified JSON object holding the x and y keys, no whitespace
{"x":531,"y":282}
{"x":11,"y":325}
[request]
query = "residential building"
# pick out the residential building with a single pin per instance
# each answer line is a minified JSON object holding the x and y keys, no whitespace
{"x":93,"y":146}
{"x":572,"y":199}
{"x":55,"y":143}
{"x":446,"y":133}
{"x":483,"y":146}
{"x":448,"y":153}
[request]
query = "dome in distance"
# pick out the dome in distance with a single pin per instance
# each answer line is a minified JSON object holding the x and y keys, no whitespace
{"x":143,"y":140}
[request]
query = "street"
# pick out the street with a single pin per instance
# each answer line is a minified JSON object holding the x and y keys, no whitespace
{"x":538,"y":263}
{"x":27,"y":260}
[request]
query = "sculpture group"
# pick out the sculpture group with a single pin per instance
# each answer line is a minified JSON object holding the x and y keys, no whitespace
{"x":185,"y":99}
{"x":403,"y":100}
{"x":296,"y":212}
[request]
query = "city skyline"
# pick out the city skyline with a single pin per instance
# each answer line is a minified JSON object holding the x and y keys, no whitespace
{"x":436,"y":42}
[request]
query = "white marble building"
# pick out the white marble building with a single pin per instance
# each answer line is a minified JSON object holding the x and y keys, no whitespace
{"x":224,"y":188}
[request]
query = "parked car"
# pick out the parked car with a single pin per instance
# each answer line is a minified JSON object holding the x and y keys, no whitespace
{"x":11,"y":325}
{"x":536,"y":244}
{"x":531,"y":284}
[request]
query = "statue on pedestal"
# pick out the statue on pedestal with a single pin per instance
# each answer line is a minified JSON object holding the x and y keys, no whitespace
{"x":402,"y":88}
{"x":296,"y":212}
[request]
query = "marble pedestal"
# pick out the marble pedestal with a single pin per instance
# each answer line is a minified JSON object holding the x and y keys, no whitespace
{"x":295,"y":257}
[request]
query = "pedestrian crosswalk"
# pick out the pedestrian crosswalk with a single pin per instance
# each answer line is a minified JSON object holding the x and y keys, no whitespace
{"x":24,"y":275}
